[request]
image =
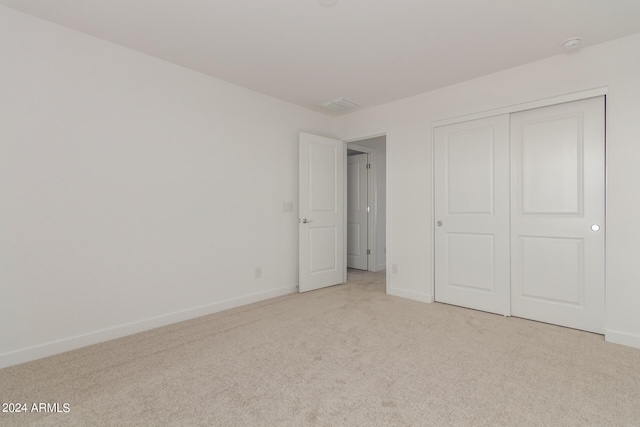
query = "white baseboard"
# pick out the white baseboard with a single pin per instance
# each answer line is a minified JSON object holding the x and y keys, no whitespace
{"x":78,"y":341}
{"x":623,"y":338}
{"x":417,"y":296}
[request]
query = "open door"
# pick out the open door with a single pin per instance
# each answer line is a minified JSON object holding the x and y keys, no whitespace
{"x":322,"y":237}
{"x":357,"y":211}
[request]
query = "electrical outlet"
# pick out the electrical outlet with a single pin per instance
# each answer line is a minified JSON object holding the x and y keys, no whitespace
{"x":394,"y":268}
{"x":258,"y":272}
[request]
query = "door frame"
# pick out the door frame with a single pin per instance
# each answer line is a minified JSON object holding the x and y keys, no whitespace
{"x":353,"y":139}
{"x":575,"y":96}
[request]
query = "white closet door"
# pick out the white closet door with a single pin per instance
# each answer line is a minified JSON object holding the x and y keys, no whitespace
{"x":557,"y":218}
{"x":472,"y":214}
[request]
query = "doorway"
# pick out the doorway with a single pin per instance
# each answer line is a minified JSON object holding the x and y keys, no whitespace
{"x":322,"y":208}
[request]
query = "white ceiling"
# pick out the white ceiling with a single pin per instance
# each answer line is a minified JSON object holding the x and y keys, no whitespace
{"x":368,"y":51}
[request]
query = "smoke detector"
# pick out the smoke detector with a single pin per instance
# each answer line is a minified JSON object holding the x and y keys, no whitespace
{"x":572,"y":44}
{"x":340,"y":105}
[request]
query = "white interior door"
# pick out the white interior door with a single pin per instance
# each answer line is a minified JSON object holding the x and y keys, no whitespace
{"x":557,"y":194}
{"x":357,"y":211}
{"x":321,"y":209}
{"x":472,"y":214}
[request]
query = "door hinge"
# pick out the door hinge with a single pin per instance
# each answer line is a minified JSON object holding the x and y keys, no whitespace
{"x":368,"y":165}
{"x":368,"y":251}
{"x":368,"y":209}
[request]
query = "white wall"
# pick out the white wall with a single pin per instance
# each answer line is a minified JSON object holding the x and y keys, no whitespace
{"x":134,"y":192}
{"x":380,"y":204}
{"x":408,"y":124}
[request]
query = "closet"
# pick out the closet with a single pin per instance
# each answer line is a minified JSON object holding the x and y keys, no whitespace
{"x":519,"y":210}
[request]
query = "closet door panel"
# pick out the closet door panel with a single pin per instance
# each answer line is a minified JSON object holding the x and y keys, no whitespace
{"x":472,"y":214}
{"x":557,"y":214}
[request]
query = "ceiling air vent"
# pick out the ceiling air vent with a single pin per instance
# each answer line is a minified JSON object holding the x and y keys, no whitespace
{"x":340,"y":105}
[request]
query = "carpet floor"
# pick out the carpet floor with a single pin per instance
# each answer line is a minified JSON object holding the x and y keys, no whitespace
{"x":340,"y":356}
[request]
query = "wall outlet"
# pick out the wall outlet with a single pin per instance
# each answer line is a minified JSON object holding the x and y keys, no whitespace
{"x":257,"y":272}
{"x":394,"y":268}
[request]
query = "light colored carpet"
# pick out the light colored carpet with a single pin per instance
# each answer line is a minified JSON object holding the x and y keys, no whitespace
{"x":346,"y":355}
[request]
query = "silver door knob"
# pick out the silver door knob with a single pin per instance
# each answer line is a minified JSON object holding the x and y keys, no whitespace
{"x":306,"y":221}
{"x":439,"y":223}
{"x":595,"y":227}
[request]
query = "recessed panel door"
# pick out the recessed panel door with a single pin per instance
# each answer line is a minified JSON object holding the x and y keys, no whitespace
{"x":557,"y":195}
{"x":321,"y":210}
{"x":472,"y":214}
{"x":357,"y":211}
